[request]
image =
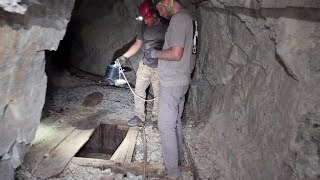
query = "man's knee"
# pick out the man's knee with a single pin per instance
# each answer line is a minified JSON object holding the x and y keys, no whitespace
{"x":141,"y":87}
{"x":139,"y":92}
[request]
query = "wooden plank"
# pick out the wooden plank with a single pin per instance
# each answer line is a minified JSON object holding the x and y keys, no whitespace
{"x":132,"y":143}
{"x":153,"y":170}
{"x":51,"y":131}
{"x":115,"y":121}
{"x":63,"y":153}
{"x":46,"y":145}
{"x":125,"y":150}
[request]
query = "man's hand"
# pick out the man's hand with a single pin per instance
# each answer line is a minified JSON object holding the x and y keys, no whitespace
{"x":121,"y":59}
{"x":150,"y":53}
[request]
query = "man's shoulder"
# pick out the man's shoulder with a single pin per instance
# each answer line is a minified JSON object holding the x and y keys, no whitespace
{"x":183,"y":13}
{"x":181,"y":18}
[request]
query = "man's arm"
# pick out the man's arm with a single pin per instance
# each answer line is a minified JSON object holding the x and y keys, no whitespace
{"x":171,"y":54}
{"x":134,"y":48}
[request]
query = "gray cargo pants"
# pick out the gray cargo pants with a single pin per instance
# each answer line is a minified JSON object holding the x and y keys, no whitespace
{"x":146,"y":76}
{"x":171,"y":106}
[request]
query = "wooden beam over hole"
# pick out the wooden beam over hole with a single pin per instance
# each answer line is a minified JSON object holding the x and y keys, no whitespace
{"x":114,"y":122}
{"x":125,"y":150}
{"x":59,"y":158}
{"x":153,"y":170}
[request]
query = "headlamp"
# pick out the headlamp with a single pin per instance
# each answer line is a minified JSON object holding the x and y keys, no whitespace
{"x":139,"y":17}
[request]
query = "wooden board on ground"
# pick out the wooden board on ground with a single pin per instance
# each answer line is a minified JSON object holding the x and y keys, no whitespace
{"x":126,"y":148}
{"x":52,"y":130}
{"x":153,"y":170}
{"x":63,"y":153}
{"x":115,"y":122}
{"x":44,"y":145}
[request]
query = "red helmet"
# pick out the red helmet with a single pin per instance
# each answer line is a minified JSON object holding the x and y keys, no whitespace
{"x":146,"y":10}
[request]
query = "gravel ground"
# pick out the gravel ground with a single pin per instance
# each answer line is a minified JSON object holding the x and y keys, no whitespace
{"x":69,"y":92}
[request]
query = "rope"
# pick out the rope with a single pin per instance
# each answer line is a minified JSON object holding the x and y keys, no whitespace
{"x":118,"y":64}
{"x":145,"y":174}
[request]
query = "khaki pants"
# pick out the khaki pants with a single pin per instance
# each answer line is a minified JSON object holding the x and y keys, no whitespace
{"x":146,"y":76}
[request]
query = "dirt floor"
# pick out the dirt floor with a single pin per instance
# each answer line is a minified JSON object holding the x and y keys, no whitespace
{"x":64,"y":103}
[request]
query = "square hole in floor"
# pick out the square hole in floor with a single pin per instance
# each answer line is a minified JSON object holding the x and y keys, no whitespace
{"x":103,"y":142}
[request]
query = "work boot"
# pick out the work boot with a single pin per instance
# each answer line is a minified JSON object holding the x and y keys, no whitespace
{"x":135,"y":121}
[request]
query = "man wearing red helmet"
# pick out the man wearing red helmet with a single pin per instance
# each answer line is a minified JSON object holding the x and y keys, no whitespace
{"x":151,"y":35}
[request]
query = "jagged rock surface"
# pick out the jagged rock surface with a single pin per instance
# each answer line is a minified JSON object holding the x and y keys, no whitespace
{"x":258,"y":62}
{"x":25,"y":35}
{"x":102,"y":32}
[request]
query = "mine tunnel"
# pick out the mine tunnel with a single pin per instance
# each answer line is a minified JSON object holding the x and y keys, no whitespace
{"x":252,"y":109}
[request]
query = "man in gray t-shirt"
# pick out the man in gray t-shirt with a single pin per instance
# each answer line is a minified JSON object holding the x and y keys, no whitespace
{"x":151,"y":35}
{"x":175,"y":68}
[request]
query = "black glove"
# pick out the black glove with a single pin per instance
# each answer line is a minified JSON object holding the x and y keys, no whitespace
{"x":121,"y":59}
{"x":150,"y":53}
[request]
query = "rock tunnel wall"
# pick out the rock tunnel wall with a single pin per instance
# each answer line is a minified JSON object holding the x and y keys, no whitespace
{"x":101,"y":32}
{"x":256,"y":85}
{"x":26,"y":30}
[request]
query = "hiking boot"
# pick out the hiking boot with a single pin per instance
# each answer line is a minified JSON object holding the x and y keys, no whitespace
{"x":135,"y":121}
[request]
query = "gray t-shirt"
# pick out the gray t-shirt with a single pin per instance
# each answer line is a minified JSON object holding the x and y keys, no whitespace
{"x":153,"y":37}
{"x":179,"y":34}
